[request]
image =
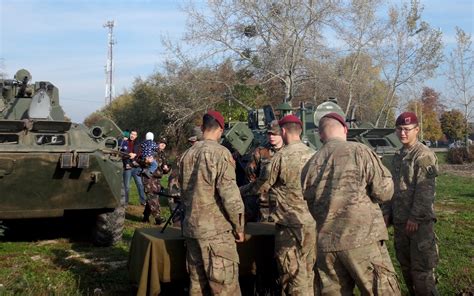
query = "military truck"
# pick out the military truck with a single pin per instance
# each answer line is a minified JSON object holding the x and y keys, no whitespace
{"x":244,"y":137}
{"x":51,"y":167}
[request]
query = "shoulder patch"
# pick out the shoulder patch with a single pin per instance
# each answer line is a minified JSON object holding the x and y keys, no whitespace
{"x":431,"y":171}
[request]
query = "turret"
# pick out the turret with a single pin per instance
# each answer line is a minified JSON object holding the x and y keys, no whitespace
{"x":20,"y":100}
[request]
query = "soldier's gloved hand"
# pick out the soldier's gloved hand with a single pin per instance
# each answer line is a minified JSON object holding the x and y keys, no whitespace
{"x":239,"y":237}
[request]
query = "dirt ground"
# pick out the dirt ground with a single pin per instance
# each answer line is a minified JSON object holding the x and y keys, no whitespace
{"x":465,"y":170}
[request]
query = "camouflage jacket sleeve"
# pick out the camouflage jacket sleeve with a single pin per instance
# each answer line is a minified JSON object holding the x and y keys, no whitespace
{"x":379,"y":179}
{"x":426,"y":170}
{"x":162,"y":162}
{"x":386,"y":207}
{"x":251,"y":170}
{"x":260,"y":184}
{"x":229,"y":192}
{"x":256,"y":187}
{"x":273,"y":171}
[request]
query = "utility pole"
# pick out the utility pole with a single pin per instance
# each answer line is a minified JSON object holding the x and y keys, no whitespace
{"x":109,"y":85}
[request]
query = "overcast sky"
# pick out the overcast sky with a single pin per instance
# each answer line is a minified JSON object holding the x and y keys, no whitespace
{"x":64,"y":41}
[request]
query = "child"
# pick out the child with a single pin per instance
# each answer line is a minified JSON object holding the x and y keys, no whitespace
{"x":149,"y":147}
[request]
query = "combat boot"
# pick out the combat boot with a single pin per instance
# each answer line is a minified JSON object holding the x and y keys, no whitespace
{"x":159,"y":220}
{"x":146,"y":214}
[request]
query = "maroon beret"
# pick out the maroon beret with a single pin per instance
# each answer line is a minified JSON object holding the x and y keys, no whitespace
{"x":290,"y":119}
{"x":337,"y":117}
{"x":217,"y":116}
{"x":406,"y":118}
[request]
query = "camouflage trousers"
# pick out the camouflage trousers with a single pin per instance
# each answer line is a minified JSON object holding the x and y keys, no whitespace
{"x":213,"y":265}
{"x":295,"y":252}
{"x":152,"y":208}
{"x":369,"y":267}
{"x":418,"y":257}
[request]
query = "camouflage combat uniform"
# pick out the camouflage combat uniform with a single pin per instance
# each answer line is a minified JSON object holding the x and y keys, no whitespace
{"x":344,"y":183}
{"x":295,"y":236}
{"x":152,"y":188}
{"x":414,"y":173}
{"x":255,"y":193}
{"x":174,"y":198}
{"x":213,"y":210}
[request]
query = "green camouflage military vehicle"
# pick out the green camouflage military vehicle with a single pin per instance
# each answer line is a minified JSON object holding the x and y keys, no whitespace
{"x":244,"y":137}
{"x":50,"y":167}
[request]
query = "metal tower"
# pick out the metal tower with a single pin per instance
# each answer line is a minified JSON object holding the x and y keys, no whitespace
{"x":109,"y":85}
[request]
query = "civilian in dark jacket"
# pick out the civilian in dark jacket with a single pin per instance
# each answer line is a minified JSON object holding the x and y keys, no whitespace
{"x":131,"y":167}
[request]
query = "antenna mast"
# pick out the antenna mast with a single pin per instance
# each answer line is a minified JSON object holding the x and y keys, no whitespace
{"x":109,"y":86}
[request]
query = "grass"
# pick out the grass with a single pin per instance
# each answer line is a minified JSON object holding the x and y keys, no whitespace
{"x":454,"y":208}
{"x":63,"y":266}
{"x":442,"y":157}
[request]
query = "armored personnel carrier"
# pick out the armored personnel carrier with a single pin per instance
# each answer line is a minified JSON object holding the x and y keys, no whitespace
{"x":50,"y":167}
{"x":244,"y":137}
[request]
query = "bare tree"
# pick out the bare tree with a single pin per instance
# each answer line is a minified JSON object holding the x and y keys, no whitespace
{"x":460,"y":79}
{"x":359,"y":28}
{"x":272,"y":39}
{"x":410,"y":53}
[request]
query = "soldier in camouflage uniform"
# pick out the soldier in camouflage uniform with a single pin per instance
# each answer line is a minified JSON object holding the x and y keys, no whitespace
{"x":214,"y":212}
{"x":154,"y":166}
{"x":295,"y":235}
{"x":174,"y":200}
{"x":411,"y":210}
{"x":344,"y":183}
{"x":255,"y":193}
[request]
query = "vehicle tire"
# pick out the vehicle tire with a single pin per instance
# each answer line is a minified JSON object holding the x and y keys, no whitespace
{"x":108,"y":227}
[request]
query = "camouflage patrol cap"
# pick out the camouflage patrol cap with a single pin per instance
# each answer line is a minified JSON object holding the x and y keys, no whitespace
{"x":273,"y":128}
{"x":335,"y":116}
{"x":406,"y":118}
{"x":163,"y":140}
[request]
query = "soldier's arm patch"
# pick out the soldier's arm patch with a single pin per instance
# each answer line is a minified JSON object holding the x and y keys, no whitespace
{"x":428,"y":164}
{"x":431,"y":171}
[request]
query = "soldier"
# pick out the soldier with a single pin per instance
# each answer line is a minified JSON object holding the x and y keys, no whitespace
{"x":154,"y":166}
{"x":161,"y":154}
{"x":152,"y":185}
{"x":213,"y":212}
{"x":255,"y":193}
{"x":295,"y":235}
{"x":344,"y":183}
{"x":411,"y":210}
{"x":173,"y":188}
